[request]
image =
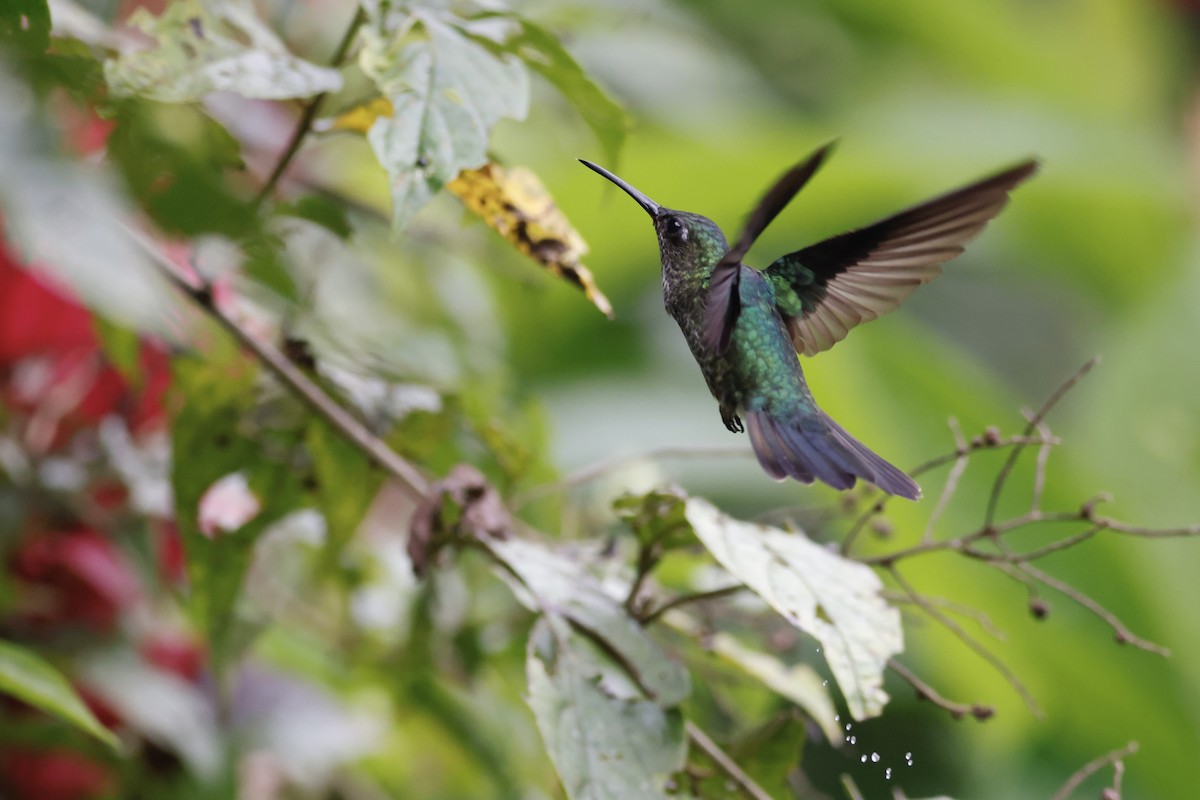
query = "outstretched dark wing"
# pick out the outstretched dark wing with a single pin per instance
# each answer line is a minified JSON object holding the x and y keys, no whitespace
{"x":826,"y":289}
{"x":723,"y":303}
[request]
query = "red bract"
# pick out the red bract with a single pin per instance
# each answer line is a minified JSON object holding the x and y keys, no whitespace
{"x":53,"y":370}
{"x":79,"y":577}
{"x":36,"y":319}
{"x":176,"y":653}
{"x":52,"y":775}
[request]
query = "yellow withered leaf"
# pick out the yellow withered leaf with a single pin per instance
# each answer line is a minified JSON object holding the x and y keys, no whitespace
{"x":360,"y":118}
{"x":513,"y":201}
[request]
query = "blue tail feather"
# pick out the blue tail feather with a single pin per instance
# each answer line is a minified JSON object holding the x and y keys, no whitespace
{"x":816,"y":447}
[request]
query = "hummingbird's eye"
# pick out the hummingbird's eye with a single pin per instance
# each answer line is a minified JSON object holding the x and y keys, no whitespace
{"x":676,"y":229}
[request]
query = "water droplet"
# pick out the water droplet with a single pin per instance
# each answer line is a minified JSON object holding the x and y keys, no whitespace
{"x":874,"y":758}
{"x":837,"y":717}
{"x":887,"y":773}
{"x":848,"y":726}
{"x":853,"y":740}
{"x":863,"y":759}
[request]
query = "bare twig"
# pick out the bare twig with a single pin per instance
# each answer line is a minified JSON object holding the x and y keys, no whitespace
{"x":682,"y":600}
{"x":409,"y":477}
{"x":1043,"y":458}
{"x":727,"y":764}
{"x":1035,"y":420}
{"x":927,"y":692}
{"x":851,"y":788}
{"x":988,"y":441}
{"x":978,"y":617}
{"x":1116,"y":758}
{"x":304,"y":124}
{"x":1123,"y":634}
{"x":970,"y":641}
{"x":956,"y":472}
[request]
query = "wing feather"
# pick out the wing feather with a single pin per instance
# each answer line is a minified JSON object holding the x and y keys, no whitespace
{"x":827,"y":288}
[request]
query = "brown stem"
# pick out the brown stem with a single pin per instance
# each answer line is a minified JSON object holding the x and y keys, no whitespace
{"x":409,"y":477}
{"x":970,"y":641}
{"x":727,"y":764}
{"x":927,"y":692}
{"x":683,"y":600}
{"x":1035,"y":420}
{"x":1092,"y":767}
{"x":304,"y":124}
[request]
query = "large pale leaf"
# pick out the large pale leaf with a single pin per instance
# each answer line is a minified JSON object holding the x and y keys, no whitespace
{"x":799,"y":683}
{"x":833,"y":599}
{"x":561,"y":586}
{"x":447,"y":92}
{"x":206,"y":46}
{"x":605,"y":745}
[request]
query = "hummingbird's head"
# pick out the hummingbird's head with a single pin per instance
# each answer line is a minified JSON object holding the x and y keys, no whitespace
{"x":683,"y":238}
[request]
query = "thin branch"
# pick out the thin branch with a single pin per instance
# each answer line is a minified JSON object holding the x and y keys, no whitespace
{"x":409,"y":477}
{"x":1043,"y":458}
{"x":682,"y":600}
{"x":1034,"y":555}
{"x":1123,"y":634}
{"x":1092,"y":767}
{"x":956,"y":472}
{"x":727,"y":764}
{"x":970,"y":641}
{"x":978,"y":617}
{"x":1034,"y":421}
{"x":851,"y":788}
{"x":927,"y":692}
{"x":304,"y":124}
{"x":988,"y":441}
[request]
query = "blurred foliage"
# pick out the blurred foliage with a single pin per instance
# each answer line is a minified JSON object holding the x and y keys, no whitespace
{"x":201,"y":565}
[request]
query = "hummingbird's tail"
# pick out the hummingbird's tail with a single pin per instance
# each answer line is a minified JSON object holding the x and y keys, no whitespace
{"x":814,"y":446}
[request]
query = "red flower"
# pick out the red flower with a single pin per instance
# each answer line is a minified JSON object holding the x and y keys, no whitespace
{"x":52,"y":775}
{"x":53,"y":370}
{"x":79,"y":577}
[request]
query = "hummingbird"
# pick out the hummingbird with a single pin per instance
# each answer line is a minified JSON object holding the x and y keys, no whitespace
{"x":746,"y":326}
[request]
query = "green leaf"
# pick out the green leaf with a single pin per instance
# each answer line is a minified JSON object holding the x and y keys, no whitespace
{"x":346,"y":482}
{"x":606,"y":744}
{"x":205,"y":46}
{"x":559,"y":585}
{"x":835,"y":600}
{"x":545,"y":55}
{"x":29,"y":678}
{"x":330,"y":215}
{"x":25,"y":23}
{"x":175,"y":160}
{"x":215,"y":433}
{"x":447,"y":92}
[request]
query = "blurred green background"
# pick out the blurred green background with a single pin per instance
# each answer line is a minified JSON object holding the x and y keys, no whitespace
{"x":1097,"y":255}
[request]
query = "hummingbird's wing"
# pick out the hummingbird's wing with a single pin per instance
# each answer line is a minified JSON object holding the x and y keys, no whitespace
{"x":826,"y":289}
{"x":723,"y":302}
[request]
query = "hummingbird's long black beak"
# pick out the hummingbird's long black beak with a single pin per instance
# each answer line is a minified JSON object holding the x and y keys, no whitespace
{"x":643,"y":201}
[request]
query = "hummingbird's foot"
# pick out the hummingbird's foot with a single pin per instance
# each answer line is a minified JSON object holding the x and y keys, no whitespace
{"x":733,"y":422}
